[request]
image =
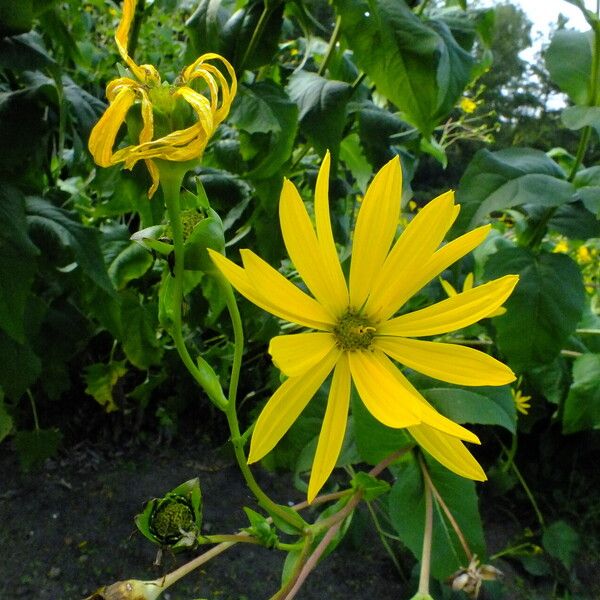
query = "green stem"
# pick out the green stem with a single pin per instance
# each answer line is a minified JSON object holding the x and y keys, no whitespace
{"x":333,"y":40}
{"x":171,"y":176}
{"x":581,"y":149}
{"x":427,"y":534}
{"x":382,"y":537}
{"x":33,"y":410}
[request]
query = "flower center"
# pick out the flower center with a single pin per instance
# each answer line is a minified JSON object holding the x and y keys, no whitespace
{"x":354,"y":332}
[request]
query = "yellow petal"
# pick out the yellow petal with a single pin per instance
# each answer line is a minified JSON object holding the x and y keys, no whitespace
{"x":298,"y":353}
{"x":437,"y":263}
{"x":448,"y":288}
{"x":468,"y":282}
{"x":448,"y":451}
{"x":380,"y":392}
{"x":375,"y":229}
{"x":426,"y":412}
{"x":331,"y":262}
{"x":333,"y":429}
{"x":456,"y":312}
{"x":285,"y":406}
{"x":268,"y":289}
{"x":448,"y":362}
{"x":102,"y":138}
{"x":411,"y":251}
{"x":306,"y":252}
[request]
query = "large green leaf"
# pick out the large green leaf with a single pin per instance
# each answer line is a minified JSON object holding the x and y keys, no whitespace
{"x":322,"y":108}
{"x":407,"y":513}
{"x":19,"y":367}
{"x":569,"y":62}
{"x":544,"y":309}
{"x":582,"y":407}
{"x":139,"y":324}
{"x":100,"y":379}
{"x":131,"y":263}
{"x":465,"y":406}
{"x":417,"y":65}
{"x":507,"y":178}
{"x":587,"y":182}
{"x":577,"y":117}
{"x":49,"y":224}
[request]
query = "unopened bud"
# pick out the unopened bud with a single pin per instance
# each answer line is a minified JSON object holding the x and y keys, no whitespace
{"x":132,"y":589}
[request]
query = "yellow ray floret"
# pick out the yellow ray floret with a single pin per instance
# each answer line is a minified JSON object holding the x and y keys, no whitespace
{"x":355,"y":333}
{"x":145,"y":88}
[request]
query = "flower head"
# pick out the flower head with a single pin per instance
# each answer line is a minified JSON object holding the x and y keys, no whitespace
{"x":353,"y":330}
{"x":176,"y":120}
{"x":467,"y":105}
{"x":521,"y":401}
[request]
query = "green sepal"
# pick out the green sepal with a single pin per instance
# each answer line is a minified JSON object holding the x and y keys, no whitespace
{"x":211,"y":383}
{"x":287,"y":519}
{"x":370,"y":486}
{"x":152,"y":238}
{"x":174,"y":520}
{"x":260,"y":528}
{"x":208,"y":233}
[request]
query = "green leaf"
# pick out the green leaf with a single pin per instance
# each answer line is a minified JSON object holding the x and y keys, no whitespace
{"x":582,"y":406}
{"x":374,"y":440}
{"x":544,"y":309}
{"x":100,"y":379}
{"x":561,"y":541}
{"x":371,"y":486}
{"x":507,"y":178}
{"x":16,"y":278}
{"x":19,"y":369}
{"x":407,"y":513}
{"x":322,"y":108}
{"x":34,"y":447}
{"x":352,"y":154}
{"x":139,"y":332}
{"x":25,"y":52}
{"x":6,"y":421}
{"x":569,"y":62}
{"x":587,"y":182}
{"x":577,"y":117}
{"x":464,"y":406}
{"x":47,"y":223}
{"x":131,"y":263}
{"x":417,"y":65}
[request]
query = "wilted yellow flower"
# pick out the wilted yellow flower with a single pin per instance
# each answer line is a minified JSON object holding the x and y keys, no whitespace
{"x":132,"y":589}
{"x":522,"y":403}
{"x":467,"y":105}
{"x":176,"y":120}
{"x":468,"y":285}
{"x":353,"y":329}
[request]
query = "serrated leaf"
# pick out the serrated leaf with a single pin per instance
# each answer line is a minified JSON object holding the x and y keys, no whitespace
{"x":562,"y":542}
{"x":34,"y":447}
{"x":508,"y":178}
{"x":407,"y":513}
{"x":543,"y":310}
{"x":582,"y":406}
{"x":62,"y":226}
{"x":463,"y":406}
{"x":322,"y":108}
{"x":100,"y":379}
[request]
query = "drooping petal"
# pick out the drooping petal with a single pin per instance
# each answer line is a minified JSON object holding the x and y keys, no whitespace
{"x":268,"y":289}
{"x":375,"y":229}
{"x":285,"y":406}
{"x":448,"y":451}
{"x":306,"y":253}
{"x":331,"y":437}
{"x":102,"y":138}
{"x":456,"y":312}
{"x":380,"y":392}
{"x":448,"y":362}
{"x":426,"y":412}
{"x":437,"y":263}
{"x":331,"y":260}
{"x":411,"y":251}
{"x":297,"y":353}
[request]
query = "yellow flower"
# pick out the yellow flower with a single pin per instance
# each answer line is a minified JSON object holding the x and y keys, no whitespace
{"x":583,"y":255}
{"x":522,"y":403}
{"x":468,"y":285}
{"x":162,"y":108}
{"x":561,"y":246}
{"x":467,"y":105}
{"x":353,"y":330}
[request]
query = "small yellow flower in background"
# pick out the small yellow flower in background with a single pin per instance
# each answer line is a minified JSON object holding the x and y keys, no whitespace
{"x":584,"y":255}
{"x":522,"y":403}
{"x":468,"y":285}
{"x":183,"y":118}
{"x":467,"y":105}
{"x":353,"y":331}
{"x":561,"y":246}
